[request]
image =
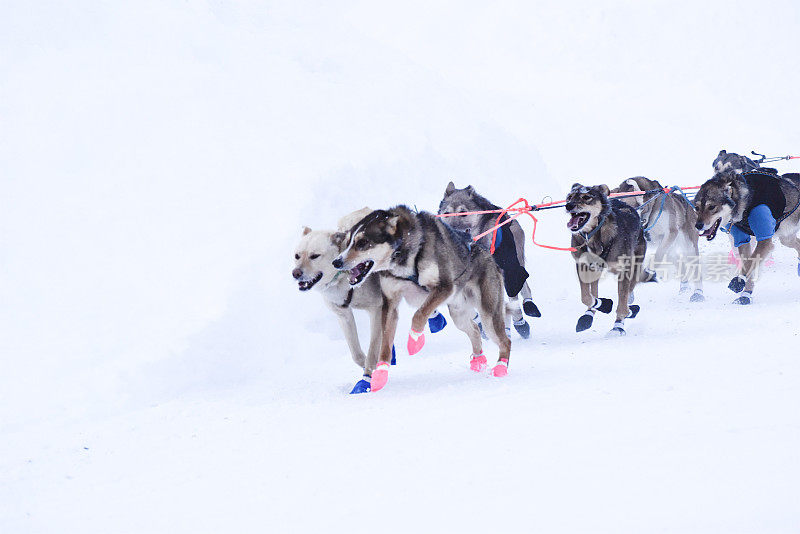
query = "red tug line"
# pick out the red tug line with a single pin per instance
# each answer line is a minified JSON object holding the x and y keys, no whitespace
{"x":527,"y":209}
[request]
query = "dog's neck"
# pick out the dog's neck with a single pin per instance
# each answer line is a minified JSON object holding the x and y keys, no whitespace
{"x":741,"y":196}
{"x":407,"y":246}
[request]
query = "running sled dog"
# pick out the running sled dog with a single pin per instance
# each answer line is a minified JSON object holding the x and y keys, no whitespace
{"x":313,"y":269}
{"x":606,"y":233}
{"x":509,"y":247}
{"x":758,"y":203}
{"x":420,"y":258}
{"x":669,"y":221}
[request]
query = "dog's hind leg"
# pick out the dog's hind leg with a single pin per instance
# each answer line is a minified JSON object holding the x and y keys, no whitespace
{"x":528,"y":305}
{"x":461,"y":313}
{"x":491,"y":310}
{"x":792,"y":241}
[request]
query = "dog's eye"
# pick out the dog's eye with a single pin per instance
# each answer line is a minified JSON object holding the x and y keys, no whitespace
{"x":297,"y":256}
{"x":587,"y":198}
{"x":462,"y":209}
{"x":710,"y":207}
{"x":314,"y":256}
{"x":362,"y":244}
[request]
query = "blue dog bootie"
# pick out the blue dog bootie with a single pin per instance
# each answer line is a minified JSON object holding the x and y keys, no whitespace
{"x":394,"y":356}
{"x":436,"y":322}
{"x":798,"y":266}
{"x":362,"y":386}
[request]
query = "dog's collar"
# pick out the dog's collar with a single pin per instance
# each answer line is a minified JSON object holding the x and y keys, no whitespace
{"x":335,"y":277}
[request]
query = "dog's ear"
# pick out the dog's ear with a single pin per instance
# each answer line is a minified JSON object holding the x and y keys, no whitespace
{"x":337,"y":238}
{"x":575,"y":186}
{"x":470,"y":190}
{"x":603,"y":188}
{"x":306,"y":230}
{"x":722,"y":152}
{"x":450,"y":188}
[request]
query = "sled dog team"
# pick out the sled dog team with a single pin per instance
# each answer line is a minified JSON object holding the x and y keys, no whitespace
{"x":377,"y":258}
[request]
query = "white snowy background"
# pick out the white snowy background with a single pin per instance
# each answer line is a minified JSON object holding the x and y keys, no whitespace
{"x":161,"y":372}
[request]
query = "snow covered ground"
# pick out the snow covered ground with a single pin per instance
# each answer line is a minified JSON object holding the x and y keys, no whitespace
{"x":161,"y":373}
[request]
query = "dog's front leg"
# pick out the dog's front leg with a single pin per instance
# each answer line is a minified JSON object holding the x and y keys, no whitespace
{"x":436,"y":297}
{"x":388,"y":323}
{"x":751,"y":267}
{"x":589,"y":298}
{"x":348,"y":324}
{"x":376,"y":334}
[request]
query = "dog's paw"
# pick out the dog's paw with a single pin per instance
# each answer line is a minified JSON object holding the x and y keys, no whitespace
{"x":744,"y":300}
{"x":523,"y":328}
{"x":416,"y":340}
{"x":501,"y":369}
{"x":697,"y":296}
{"x":436,"y":322}
{"x":737,"y":284}
{"x":394,"y":356}
{"x":605,"y":305}
{"x":362,"y":386}
{"x":532,"y":310}
{"x":478,"y":363}
{"x":584,"y":322}
{"x":634,"y":311}
{"x":617,"y":331}
{"x":379,"y":376}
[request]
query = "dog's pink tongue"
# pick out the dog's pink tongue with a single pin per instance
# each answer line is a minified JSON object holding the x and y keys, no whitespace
{"x":573,"y":221}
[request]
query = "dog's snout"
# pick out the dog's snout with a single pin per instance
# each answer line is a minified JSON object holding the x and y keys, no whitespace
{"x":570,"y":206}
{"x":297,"y":273}
{"x":338,"y":263}
{"x":699,"y":225}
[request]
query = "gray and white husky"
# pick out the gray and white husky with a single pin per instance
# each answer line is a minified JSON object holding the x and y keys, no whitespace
{"x":420,"y":258}
{"x":669,"y":220}
{"x":727,"y":198}
{"x":313,"y":268}
{"x":606,"y":233}
{"x":509,"y":246}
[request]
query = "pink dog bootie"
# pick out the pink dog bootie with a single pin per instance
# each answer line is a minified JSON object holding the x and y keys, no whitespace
{"x":416,"y":340}
{"x":379,"y":376}
{"x":501,"y":369}
{"x":478,"y":363}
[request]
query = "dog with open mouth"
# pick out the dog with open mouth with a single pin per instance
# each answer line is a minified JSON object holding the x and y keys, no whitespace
{"x":606,"y":233}
{"x":422,"y":259}
{"x":757,"y":203}
{"x":313,"y":269}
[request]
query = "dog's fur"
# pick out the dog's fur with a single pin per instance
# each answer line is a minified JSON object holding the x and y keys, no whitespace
{"x":429,"y":263}
{"x":726,"y":198}
{"x":672,"y":234}
{"x":313,"y":269}
{"x":734,"y":162}
{"x":619,"y":242}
